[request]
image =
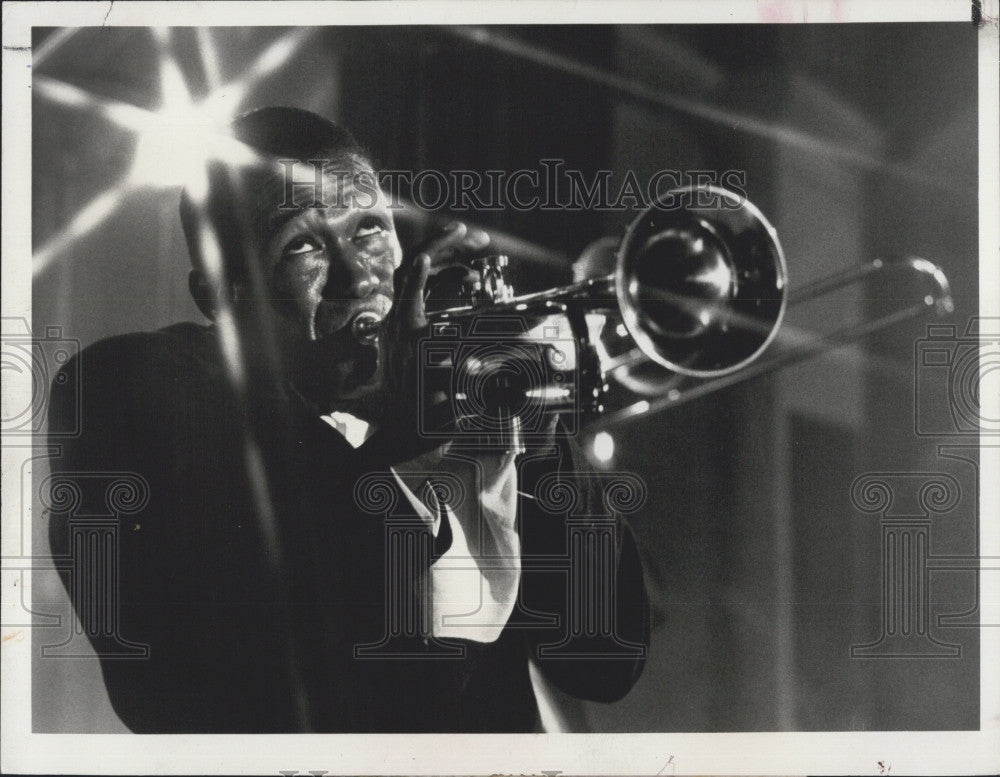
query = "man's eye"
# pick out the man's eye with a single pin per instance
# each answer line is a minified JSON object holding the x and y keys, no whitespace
{"x":302,"y":245}
{"x":370,"y":227}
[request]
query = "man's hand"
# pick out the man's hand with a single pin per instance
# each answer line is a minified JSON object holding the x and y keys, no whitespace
{"x":406,"y":323}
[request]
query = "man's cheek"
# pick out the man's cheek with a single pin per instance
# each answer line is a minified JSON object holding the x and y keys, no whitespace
{"x":293,"y":321}
{"x":395,"y":253}
{"x":382,"y":301}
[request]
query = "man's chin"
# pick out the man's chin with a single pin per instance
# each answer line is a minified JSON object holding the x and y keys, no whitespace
{"x":334,"y":374}
{"x":353,"y":400}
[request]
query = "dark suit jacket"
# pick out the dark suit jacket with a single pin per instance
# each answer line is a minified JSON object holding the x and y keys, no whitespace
{"x":257,"y":575}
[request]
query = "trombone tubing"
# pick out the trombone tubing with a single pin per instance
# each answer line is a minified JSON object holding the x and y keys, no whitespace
{"x":940,"y":300}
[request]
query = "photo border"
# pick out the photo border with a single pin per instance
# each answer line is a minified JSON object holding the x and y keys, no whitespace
{"x":648,"y":754}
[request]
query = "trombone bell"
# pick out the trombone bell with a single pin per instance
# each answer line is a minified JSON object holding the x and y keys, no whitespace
{"x":701,"y":287}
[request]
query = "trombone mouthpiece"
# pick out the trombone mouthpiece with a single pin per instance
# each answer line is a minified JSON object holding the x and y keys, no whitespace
{"x":365,"y":327}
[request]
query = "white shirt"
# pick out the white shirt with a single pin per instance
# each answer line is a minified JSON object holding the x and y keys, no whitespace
{"x":474,"y":583}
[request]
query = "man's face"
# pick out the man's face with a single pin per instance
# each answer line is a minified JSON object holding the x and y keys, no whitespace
{"x":323,"y":266}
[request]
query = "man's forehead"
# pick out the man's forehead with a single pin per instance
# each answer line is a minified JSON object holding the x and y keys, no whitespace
{"x":295,"y":187}
{"x":308,"y":172}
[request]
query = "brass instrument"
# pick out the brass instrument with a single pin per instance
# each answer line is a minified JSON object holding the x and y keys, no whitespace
{"x":698,"y":287}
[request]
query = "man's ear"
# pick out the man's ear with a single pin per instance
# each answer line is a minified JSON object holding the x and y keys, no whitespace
{"x":202,"y":293}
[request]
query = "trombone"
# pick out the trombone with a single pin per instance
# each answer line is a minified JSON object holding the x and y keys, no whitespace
{"x":699,"y":287}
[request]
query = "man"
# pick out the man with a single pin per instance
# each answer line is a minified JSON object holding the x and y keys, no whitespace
{"x":307,"y":561}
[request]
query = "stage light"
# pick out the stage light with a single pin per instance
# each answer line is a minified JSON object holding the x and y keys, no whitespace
{"x":604,"y":447}
{"x":175,"y":142}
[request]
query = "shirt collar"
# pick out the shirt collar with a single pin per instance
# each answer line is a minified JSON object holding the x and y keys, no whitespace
{"x":351,"y":428}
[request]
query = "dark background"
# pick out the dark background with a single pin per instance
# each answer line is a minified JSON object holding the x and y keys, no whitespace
{"x":857,"y":141}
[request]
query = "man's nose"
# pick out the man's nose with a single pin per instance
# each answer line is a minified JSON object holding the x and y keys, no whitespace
{"x":349,"y":277}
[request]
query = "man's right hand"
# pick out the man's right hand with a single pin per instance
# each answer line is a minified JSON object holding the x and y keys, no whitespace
{"x":406,"y":324}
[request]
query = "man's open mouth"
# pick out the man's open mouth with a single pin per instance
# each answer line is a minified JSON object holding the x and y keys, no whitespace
{"x":329,"y":321}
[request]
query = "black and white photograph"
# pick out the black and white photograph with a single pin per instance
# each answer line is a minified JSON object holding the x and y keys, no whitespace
{"x":500,"y":371}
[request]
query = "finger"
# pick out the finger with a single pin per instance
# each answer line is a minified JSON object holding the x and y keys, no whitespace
{"x":474,"y":241}
{"x":451,"y":274}
{"x":449,"y":286}
{"x":403,"y":276}
{"x":411,"y":277}
{"x":450,"y":236}
{"x":411,"y":300}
